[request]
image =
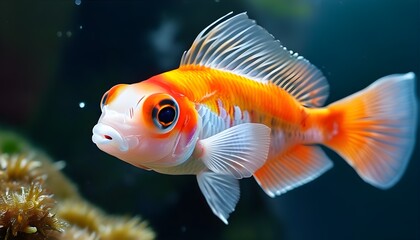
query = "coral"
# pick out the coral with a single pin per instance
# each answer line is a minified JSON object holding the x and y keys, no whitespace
{"x":75,"y":233}
{"x":18,"y":168}
{"x":27,"y":215}
{"x":25,"y":205}
{"x":80,"y":214}
{"x":22,"y":152}
{"x":91,"y":219}
{"x":38,"y":202}
{"x":125,"y":228}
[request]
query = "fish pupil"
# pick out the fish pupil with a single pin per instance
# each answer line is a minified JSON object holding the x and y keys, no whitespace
{"x":166,"y":115}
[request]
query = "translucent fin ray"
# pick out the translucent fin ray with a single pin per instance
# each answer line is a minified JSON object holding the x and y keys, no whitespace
{"x":237,"y":151}
{"x":297,"y":166}
{"x":237,"y":44}
{"x":221,"y":193}
{"x":377,"y":129}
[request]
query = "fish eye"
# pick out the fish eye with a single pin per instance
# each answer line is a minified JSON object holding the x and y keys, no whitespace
{"x":111,"y":93}
{"x":165,"y":114}
{"x":104,"y":99}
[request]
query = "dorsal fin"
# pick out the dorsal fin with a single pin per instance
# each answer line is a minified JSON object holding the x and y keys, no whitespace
{"x":237,"y":44}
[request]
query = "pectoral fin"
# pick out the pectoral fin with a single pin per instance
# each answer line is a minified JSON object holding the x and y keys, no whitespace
{"x":220,"y":191}
{"x":238,"y":151}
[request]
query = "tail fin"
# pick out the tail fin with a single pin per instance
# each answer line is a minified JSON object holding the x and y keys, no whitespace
{"x":375,"y":129}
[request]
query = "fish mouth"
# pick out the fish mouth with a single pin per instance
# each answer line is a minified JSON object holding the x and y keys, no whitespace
{"x":106,"y":135}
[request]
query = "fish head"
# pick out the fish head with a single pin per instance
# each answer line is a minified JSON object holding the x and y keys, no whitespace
{"x":147,"y":125}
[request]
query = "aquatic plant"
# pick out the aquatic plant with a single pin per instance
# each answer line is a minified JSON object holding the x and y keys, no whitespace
{"x":38,"y":202}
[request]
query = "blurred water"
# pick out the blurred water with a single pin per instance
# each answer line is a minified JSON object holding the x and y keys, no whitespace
{"x":57,"y":58}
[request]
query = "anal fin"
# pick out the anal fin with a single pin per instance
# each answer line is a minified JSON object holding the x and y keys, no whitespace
{"x":297,"y":166}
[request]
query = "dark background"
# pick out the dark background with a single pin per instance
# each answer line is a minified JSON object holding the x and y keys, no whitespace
{"x":55,"y":54}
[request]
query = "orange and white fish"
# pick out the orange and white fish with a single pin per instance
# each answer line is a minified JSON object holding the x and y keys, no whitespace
{"x":241,"y":105}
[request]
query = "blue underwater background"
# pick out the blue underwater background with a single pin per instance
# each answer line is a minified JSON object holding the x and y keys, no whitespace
{"x":57,"y":54}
